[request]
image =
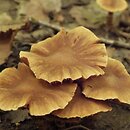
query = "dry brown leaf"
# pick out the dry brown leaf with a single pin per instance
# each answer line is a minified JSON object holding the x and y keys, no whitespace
{"x":39,"y":9}
{"x":10,"y":17}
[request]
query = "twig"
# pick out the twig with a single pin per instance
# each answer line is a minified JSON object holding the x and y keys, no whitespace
{"x":78,"y":126}
{"x":124,"y":34}
{"x":55,"y":27}
{"x":116,"y":43}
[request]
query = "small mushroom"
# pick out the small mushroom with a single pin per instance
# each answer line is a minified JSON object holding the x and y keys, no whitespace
{"x":74,"y":54}
{"x":19,"y":87}
{"x":80,"y":106}
{"x":114,"y":84}
{"x":5,"y":45}
{"x":112,"y":6}
{"x":7,"y":32}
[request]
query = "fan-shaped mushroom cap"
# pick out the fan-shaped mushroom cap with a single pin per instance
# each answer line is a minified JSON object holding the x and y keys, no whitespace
{"x":113,"y":5}
{"x":114,"y":84}
{"x":19,"y":87}
{"x":80,"y":106}
{"x":72,"y":54}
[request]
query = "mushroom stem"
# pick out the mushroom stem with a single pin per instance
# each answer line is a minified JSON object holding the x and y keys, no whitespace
{"x":110,"y":20}
{"x":80,"y":84}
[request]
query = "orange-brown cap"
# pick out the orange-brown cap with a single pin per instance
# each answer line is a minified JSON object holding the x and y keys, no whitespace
{"x":113,"y":5}
{"x":80,"y":106}
{"x":72,"y":54}
{"x":19,"y":87}
{"x":114,"y":84}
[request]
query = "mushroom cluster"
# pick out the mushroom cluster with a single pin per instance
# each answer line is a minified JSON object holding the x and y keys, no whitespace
{"x":68,"y":75}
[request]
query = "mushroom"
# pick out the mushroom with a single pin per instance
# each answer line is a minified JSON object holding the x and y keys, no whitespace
{"x":80,"y":106}
{"x":73,"y":54}
{"x":8,"y":30}
{"x":112,"y":6}
{"x":19,"y":87}
{"x":114,"y":84}
{"x":15,"y":26}
{"x":5,"y":45}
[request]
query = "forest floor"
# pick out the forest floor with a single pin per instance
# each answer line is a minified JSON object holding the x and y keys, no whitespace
{"x":117,"y":40}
